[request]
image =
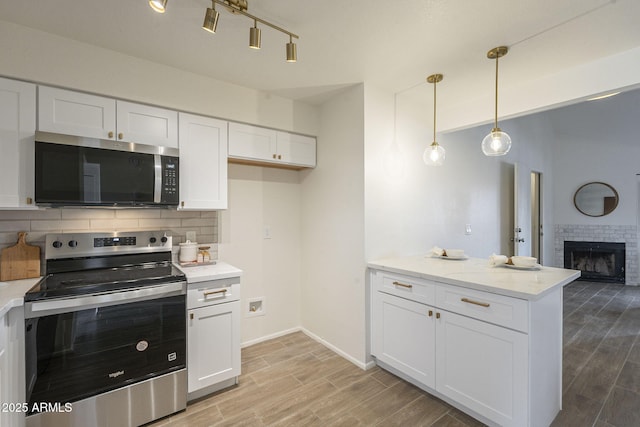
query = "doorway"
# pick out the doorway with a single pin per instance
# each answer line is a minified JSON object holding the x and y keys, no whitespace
{"x":536,"y":215}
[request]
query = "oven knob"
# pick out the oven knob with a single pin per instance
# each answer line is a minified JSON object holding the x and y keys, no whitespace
{"x":73,"y":243}
{"x":57,"y":244}
{"x":163,"y":239}
{"x":152,"y":240}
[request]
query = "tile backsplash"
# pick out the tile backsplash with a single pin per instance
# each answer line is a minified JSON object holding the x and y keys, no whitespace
{"x":39,"y":223}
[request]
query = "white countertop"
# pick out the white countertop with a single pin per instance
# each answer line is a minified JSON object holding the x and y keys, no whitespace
{"x":204,"y":273}
{"x":476,"y":273}
{"x":12,"y":293}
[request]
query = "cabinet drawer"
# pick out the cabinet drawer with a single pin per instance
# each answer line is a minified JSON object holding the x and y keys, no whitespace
{"x":406,"y":287}
{"x":212,"y":292}
{"x":498,"y":309}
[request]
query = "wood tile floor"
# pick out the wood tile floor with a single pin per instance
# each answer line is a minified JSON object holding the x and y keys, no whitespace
{"x":294,"y":381}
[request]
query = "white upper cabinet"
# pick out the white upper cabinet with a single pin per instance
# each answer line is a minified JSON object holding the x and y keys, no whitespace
{"x":144,"y":124}
{"x":17,"y":131}
{"x":254,"y":144}
{"x":75,"y":113}
{"x":203,"y":162}
{"x":296,"y":149}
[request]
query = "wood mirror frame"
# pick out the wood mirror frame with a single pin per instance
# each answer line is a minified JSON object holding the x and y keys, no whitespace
{"x":596,"y":199}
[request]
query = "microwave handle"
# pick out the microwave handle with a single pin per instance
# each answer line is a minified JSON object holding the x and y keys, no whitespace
{"x":157,"y":189}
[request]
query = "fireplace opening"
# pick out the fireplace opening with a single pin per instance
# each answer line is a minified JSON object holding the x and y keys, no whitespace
{"x":598,"y":261}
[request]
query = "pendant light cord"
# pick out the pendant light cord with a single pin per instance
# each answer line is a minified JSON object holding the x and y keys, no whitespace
{"x":434,"y":110}
{"x":496,"y":105}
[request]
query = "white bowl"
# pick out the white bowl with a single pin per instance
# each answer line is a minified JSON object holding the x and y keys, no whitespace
{"x":455,"y":253}
{"x":524,"y":261}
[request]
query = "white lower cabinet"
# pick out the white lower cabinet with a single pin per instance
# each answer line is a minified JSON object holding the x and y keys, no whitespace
{"x":483,"y":367}
{"x":476,"y":358}
{"x":12,"y":374}
{"x":213,"y":344}
{"x":405,"y":336}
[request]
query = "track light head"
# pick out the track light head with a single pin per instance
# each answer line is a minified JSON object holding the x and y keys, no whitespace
{"x":211,"y":19}
{"x":254,"y":36}
{"x":158,"y":5}
{"x":292,"y":53}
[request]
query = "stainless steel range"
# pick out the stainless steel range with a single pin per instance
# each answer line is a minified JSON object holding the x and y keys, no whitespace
{"x":105,"y":332}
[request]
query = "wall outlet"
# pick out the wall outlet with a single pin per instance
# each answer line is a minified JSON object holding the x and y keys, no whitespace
{"x":256,"y":307}
{"x":190,"y":236}
{"x":266,"y":232}
{"x":467,"y":229}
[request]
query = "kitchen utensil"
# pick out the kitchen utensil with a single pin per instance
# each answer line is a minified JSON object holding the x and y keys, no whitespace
{"x":21,"y":261}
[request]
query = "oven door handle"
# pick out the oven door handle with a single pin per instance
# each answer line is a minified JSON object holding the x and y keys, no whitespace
{"x":65,"y":305}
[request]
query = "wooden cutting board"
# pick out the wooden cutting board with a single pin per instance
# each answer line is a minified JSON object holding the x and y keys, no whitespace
{"x":21,"y":261}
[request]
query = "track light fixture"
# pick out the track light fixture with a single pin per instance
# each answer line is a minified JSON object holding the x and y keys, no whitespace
{"x":158,"y":5}
{"x":237,"y":7}
{"x":211,"y":19}
{"x":254,"y":36}
{"x":497,"y":142}
{"x":434,"y":154}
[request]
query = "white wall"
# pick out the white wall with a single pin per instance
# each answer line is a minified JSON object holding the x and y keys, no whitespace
{"x":333,"y":263}
{"x":258,"y":198}
{"x":597,"y":141}
{"x":420,"y":207}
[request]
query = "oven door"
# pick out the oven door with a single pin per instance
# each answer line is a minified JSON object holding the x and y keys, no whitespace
{"x":74,"y":352}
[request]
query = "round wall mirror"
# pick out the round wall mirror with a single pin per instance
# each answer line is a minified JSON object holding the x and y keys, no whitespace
{"x":596,"y":199}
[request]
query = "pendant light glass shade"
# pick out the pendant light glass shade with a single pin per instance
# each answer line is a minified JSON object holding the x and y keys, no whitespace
{"x":497,"y":142}
{"x":434,"y":154}
{"x":158,"y":5}
{"x":211,"y":19}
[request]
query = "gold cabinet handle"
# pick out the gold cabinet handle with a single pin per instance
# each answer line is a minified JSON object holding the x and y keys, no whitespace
{"x":437,"y":315}
{"x":120,"y":135}
{"x":29,"y":200}
{"x":430,"y":313}
{"x":403,"y":285}
{"x":274,"y":156}
{"x":191,"y":316}
{"x":470,"y":301}
{"x":219,"y":291}
{"x":110,"y":134}
{"x":279,"y":157}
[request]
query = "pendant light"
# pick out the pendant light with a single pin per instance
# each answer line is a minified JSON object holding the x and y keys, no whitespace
{"x":497,"y":142}
{"x":158,"y":5}
{"x":434,"y":153}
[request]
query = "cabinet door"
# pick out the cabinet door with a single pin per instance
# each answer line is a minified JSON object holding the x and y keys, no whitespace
{"x":214,"y":344}
{"x":17,"y":130}
{"x":203,"y":162}
{"x":483,"y":367}
{"x":252,"y":143}
{"x":144,"y":124}
{"x":403,"y":336}
{"x":75,"y":113}
{"x":296,"y":149}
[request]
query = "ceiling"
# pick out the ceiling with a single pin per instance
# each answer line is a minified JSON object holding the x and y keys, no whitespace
{"x":392,"y":45}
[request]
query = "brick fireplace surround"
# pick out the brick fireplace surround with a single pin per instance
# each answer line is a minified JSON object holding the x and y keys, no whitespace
{"x":627,"y":234}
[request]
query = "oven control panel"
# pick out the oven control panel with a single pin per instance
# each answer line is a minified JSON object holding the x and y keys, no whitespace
{"x":66,"y":245}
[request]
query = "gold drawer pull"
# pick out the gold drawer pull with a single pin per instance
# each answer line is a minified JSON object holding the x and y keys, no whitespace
{"x":430,"y":313}
{"x":219,"y":291}
{"x":437,"y":315}
{"x":403,"y":285}
{"x":470,"y":301}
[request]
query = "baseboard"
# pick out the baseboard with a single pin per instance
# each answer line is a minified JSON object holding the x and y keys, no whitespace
{"x":336,"y":350}
{"x":358,"y":363}
{"x":270,"y":337}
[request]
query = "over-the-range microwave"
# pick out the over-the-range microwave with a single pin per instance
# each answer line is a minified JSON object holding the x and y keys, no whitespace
{"x":79,"y":171}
